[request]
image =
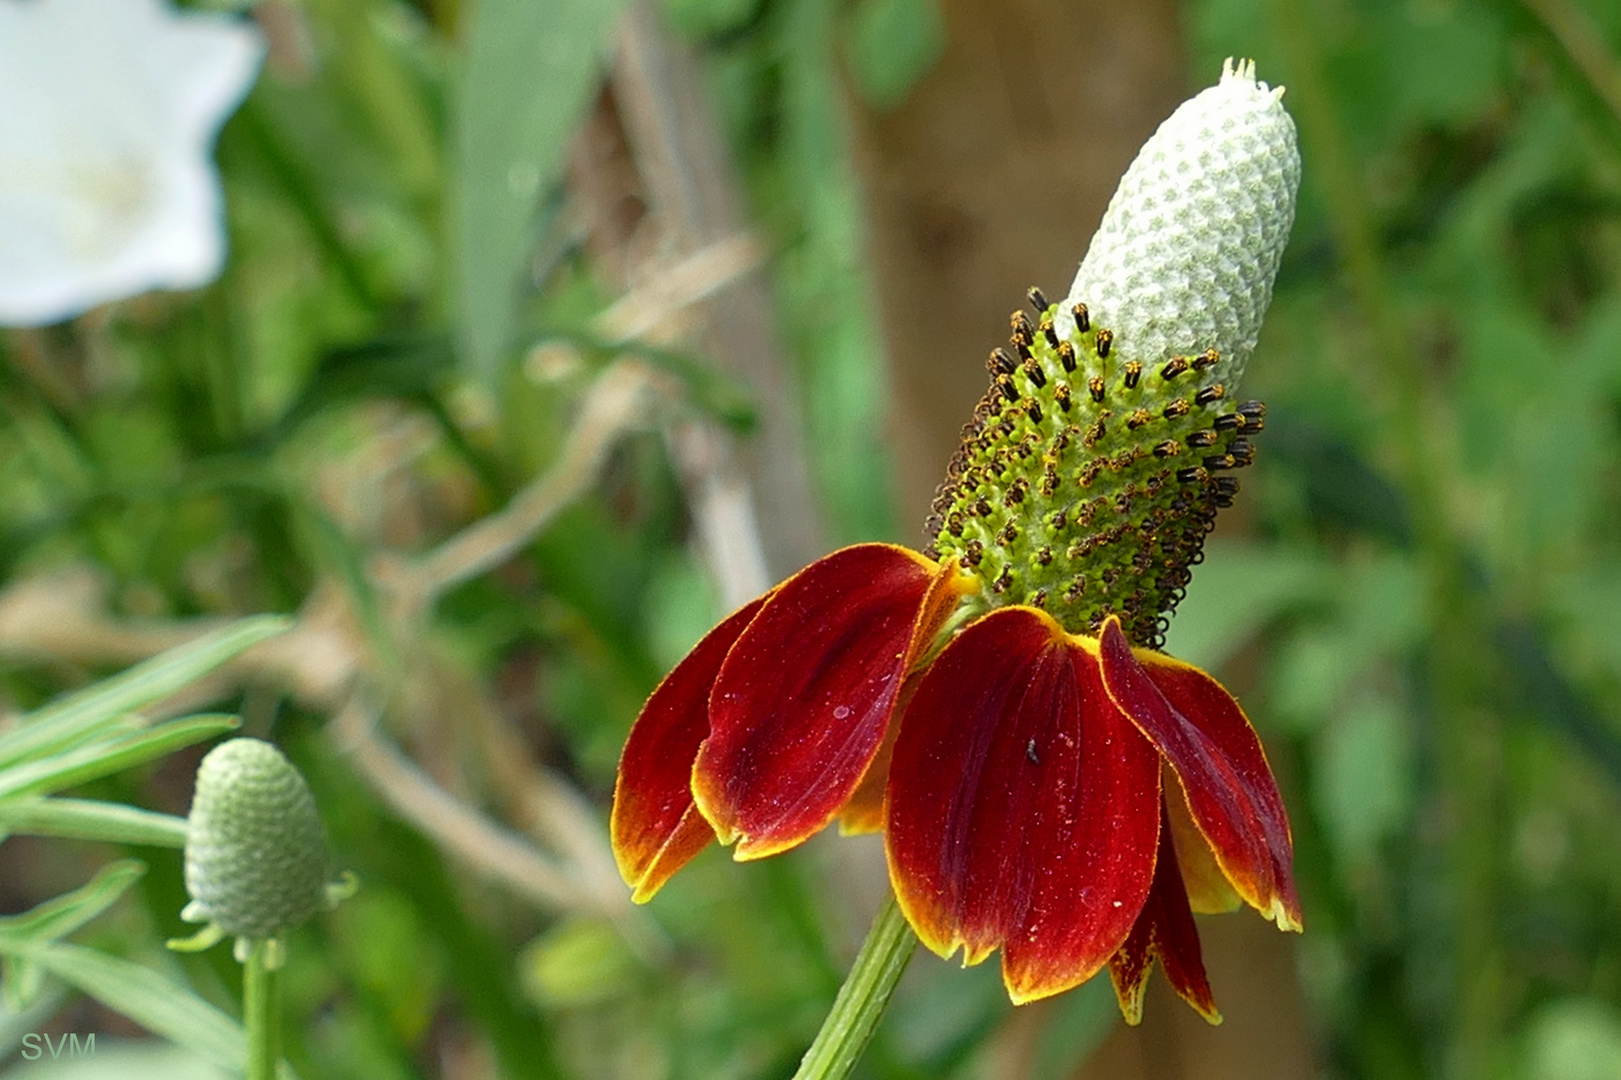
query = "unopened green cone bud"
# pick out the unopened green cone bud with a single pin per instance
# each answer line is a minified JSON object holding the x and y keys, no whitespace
{"x":256,"y":856}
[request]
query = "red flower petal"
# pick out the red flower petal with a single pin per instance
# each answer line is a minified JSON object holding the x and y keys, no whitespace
{"x":1164,"y":931}
{"x":1209,"y":891}
{"x":804,"y":698}
{"x":1209,"y":743}
{"x":1023,"y":807}
{"x":864,"y":812}
{"x":655,"y":828}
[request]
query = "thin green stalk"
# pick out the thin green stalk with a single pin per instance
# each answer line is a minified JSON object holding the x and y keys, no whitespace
{"x":862,"y":999}
{"x":259,"y":1014}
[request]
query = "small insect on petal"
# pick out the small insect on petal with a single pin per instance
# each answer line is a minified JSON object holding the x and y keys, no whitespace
{"x":1022,"y":806}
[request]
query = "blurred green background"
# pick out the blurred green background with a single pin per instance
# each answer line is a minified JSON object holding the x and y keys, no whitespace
{"x":790,"y":230}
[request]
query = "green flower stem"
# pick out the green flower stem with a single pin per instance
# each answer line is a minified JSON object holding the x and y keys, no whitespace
{"x":259,"y":1014}
{"x":862,"y":999}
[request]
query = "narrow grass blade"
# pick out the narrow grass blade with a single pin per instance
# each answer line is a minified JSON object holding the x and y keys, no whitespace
{"x":162,"y":1007}
{"x":68,"y":912}
{"x":531,"y":71}
{"x":84,"y":714}
{"x":103,"y":758}
{"x":89,"y":819}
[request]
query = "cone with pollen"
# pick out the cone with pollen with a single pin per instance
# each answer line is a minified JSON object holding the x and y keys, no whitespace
{"x":1050,"y":785}
{"x":1086,"y":482}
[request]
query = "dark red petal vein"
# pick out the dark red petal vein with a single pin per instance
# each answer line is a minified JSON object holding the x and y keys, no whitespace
{"x":1023,"y":807}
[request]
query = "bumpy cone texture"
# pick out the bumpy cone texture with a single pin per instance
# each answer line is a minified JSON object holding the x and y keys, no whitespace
{"x":256,"y":856}
{"x":1085,"y":484}
{"x":1093,"y":469}
{"x":1186,"y":254}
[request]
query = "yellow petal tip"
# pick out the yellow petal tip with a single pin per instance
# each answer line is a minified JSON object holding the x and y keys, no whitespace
{"x":1286,"y":920}
{"x":749,"y":848}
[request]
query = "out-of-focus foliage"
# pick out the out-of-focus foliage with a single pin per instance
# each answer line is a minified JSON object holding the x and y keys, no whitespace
{"x":83,"y":737}
{"x":361,"y":382}
{"x":1421,"y":592}
{"x":1457,"y":751}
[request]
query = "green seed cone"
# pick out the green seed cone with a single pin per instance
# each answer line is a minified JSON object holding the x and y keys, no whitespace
{"x":1085,"y":483}
{"x":256,"y":857}
{"x":1094,"y":467}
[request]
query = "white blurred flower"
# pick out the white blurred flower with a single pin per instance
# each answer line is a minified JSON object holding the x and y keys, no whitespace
{"x":108,"y":113}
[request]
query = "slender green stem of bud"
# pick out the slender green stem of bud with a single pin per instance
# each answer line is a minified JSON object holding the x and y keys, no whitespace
{"x":260,"y":1013}
{"x":256,"y":867}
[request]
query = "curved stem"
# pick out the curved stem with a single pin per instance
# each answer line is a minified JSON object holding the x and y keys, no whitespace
{"x":259,"y":1014}
{"x":862,"y":999}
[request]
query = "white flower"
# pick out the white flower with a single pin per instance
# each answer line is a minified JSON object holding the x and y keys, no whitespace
{"x":108,"y":112}
{"x":1188,"y":249}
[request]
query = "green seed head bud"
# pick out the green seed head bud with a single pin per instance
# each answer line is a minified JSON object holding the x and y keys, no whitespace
{"x":256,"y":858}
{"x":1186,"y":254}
{"x":1093,"y":469}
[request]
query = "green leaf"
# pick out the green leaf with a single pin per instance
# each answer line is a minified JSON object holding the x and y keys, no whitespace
{"x":162,"y":1007}
{"x":68,"y":912}
{"x":22,"y":983}
{"x":1365,"y":772}
{"x":1377,"y":614}
{"x":700,"y":19}
{"x":88,"y":712}
{"x":88,"y":819}
{"x":1239,"y":589}
{"x":531,"y":70}
{"x":409,"y":366}
{"x":891,"y":44}
{"x":17,"y":1019}
{"x":103,"y":758}
{"x":1573,"y":1038}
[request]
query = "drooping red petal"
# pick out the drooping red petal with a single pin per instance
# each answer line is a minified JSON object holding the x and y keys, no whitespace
{"x":655,"y":828}
{"x":864,"y":812}
{"x":1214,"y":752}
{"x":1209,"y":891}
{"x":1023,"y":807}
{"x":801,"y":705}
{"x":1164,"y":931}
